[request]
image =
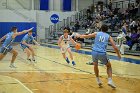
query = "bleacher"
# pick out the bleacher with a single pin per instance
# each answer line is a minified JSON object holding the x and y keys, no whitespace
{"x":56,"y":32}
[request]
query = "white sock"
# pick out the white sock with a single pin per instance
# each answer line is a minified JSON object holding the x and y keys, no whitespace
{"x":12,"y":64}
{"x":110,"y":79}
{"x":97,"y":78}
{"x":33,"y":58}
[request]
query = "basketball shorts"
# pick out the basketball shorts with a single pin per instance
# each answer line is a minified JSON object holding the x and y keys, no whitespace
{"x":96,"y":56}
{"x":23,"y":46}
{"x":64,"y":49}
{"x":4,"y":50}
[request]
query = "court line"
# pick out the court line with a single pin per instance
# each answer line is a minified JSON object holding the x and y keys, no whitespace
{"x":20,"y":83}
{"x":57,"y":63}
{"x":65,"y":65}
{"x":23,"y":85}
{"x":115,"y":73}
{"x":123,"y":59}
{"x":84,"y":70}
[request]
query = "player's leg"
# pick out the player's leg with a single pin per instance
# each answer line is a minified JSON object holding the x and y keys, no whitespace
{"x":27,"y":51}
{"x":70,"y":53}
{"x":64,"y":55}
{"x":63,"y":51}
{"x":3,"y":53}
{"x":1,"y":56}
{"x":33,"y":53}
{"x":71,"y":56}
{"x":109,"y":72}
{"x":103,"y":58}
{"x":96,"y":69}
{"x":15,"y":53}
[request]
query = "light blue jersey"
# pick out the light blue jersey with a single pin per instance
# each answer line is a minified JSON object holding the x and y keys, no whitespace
{"x":101,"y":42}
{"x":9,"y":40}
{"x":6,"y":46}
{"x":27,"y":38}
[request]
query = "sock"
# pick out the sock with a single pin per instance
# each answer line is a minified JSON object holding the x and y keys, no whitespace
{"x":97,"y":78}
{"x":66,"y":58}
{"x":33,"y":58}
{"x":12,"y":64}
{"x":110,"y":79}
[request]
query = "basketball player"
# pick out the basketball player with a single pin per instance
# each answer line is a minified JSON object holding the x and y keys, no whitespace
{"x":27,"y":47}
{"x":7,"y":45}
{"x":99,"y":52}
{"x":64,"y":44}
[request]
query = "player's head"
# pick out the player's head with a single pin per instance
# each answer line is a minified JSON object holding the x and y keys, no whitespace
{"x":104,"y":28}
{"x":66,"y":32}
{"x":30,"y":32}
{"x":14,"y":29}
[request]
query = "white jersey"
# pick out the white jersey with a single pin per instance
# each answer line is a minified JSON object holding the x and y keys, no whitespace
{"x":65,"y":41}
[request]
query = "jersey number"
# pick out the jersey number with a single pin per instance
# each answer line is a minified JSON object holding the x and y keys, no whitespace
{"x":102,"y":39}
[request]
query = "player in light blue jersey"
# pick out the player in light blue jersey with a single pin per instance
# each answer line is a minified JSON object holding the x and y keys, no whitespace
{"x":27,"y":47}
{"x":7,"y":45}
{"x":99,"y":52}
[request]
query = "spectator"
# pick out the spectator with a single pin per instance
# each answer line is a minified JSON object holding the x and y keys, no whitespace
{"x":133,"y":25}
{"x":124,"y":28}
{"x":76,"y":26}
{"x":134,"y":39}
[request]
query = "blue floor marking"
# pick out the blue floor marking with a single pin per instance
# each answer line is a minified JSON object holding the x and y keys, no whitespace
{"x":130,"y":60}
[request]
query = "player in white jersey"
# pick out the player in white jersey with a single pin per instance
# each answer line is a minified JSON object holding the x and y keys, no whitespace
{"x":64,"y":44}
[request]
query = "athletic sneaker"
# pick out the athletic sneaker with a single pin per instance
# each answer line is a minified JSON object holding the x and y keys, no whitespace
{"x":34,"y":60}
{"x":111,"y":84}
{"x":12,"y":66}
{"x":29,"y":59}
{"x":89,"y":63}
{"x":67,"y":60}
{"x":99,"y":82}
{"x":73,"y":63}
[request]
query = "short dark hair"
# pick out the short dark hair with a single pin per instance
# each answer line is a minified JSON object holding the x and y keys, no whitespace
{"x":30,"y":31}
{"x":13,"y":28}
{"x":104,"y":28}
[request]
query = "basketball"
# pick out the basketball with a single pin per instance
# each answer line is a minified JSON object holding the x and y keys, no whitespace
{"x":77,"y":46}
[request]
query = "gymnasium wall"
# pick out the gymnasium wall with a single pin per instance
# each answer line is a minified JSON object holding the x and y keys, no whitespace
{"x":21,"y":19}
{"x":42,"y":18}
{"x":16,"y":4}
{"x":29,"y":11}
{"x":17,"y":15}
{"x":84,"y":4}
{"x":5,"y":27}
{"x":53,"y":5}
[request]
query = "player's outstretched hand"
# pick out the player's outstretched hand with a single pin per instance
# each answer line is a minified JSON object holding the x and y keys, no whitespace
{"x":31,"y":28}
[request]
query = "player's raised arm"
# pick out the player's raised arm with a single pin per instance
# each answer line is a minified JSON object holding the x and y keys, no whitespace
{"x":23,"y":32}
{"x":114,"y":46}
{"x":87,"y":36}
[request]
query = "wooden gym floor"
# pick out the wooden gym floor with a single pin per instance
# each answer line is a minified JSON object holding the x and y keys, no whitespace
{"x":51,"y":74}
